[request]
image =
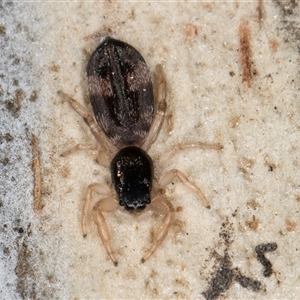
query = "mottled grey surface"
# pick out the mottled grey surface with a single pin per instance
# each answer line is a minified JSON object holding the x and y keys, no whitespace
{"x":252,"y":184}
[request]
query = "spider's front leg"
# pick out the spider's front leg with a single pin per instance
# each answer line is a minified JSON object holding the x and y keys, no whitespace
{"x":162,"y":205}
{"x":108,"y":204}
{"x":102,"y":226}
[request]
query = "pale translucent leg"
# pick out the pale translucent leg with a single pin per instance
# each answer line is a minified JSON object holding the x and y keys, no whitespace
{"x":98,"y":188}
{"x":171,"y":152}
{"x":81,"y":147}
{"x":102,"y":157}
{"x":88,"y":119}
{"x":145,"y":214}
{"x":162,"y":205}
{"x":169,"y":177}
{"x":160,"y":112}
{"x":107,"y":204}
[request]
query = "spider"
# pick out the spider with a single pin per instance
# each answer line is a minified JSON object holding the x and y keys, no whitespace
{"x":127,"y":124}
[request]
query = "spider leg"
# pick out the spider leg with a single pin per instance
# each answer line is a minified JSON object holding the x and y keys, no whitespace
{"x":160,"y":204}
{"x":106,"y":204}
{"x":172,"y":174}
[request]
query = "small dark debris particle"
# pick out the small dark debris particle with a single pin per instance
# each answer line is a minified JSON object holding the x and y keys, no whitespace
{"x":270,"y":169}
{"x":6,"y":251}
{"x":8,"y":137}
{"x":260,"y":250}
{"x":33,"y":96}
{"x":54,"y":68}
{"x":19,"y":95}
{"x":16,"y":61}
{"x":231,"y":73}
{"x":2,"y":30}
{"x":4,"y":161}
{"x":19,"y":230}
{"x":14,"y":105}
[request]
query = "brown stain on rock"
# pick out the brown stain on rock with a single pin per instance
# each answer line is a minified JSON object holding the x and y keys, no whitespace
{"x":246,"y":166}
{"x":274,"y":44}
{"x":25,"y":273}
{"x":234,"y":121}
{"x":252,"y":224}
{"x":245,"y":52}
{"x":260,"y":12}
{"x":253,"y":204}
{"x":15,"y":104}
{"x":290,"y":225}
{"x":36,"y":168}
{"x":191,"y":30}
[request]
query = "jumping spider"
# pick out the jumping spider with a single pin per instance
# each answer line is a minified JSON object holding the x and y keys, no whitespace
{"x":121,"y":93}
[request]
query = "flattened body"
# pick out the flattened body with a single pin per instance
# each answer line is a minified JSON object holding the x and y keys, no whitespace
{"x":121,"y":92}
{"x":132,"y":176}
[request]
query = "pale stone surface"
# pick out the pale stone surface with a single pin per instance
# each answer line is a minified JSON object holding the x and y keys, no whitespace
{"x":252,"y":184}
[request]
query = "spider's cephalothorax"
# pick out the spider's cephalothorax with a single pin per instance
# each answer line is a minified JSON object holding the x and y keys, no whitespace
{"x":132,"y":176}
